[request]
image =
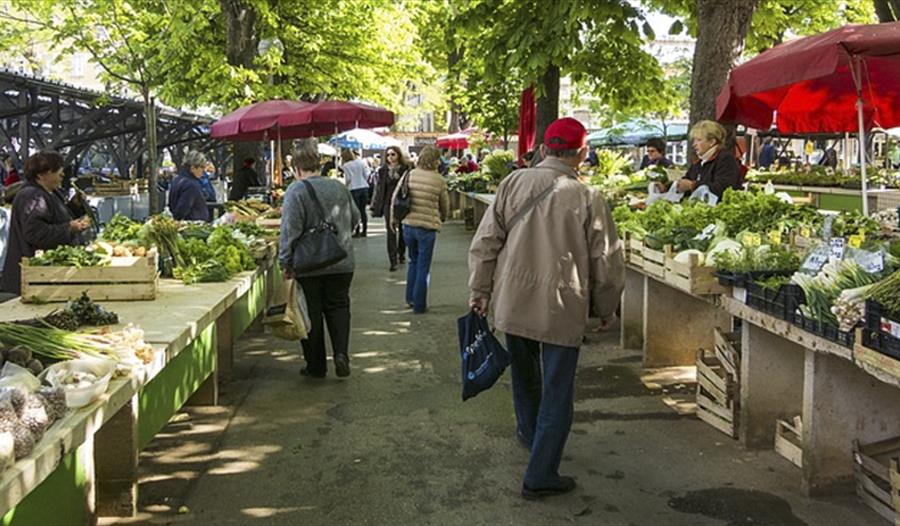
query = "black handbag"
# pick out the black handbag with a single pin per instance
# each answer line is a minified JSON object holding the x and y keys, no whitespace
{"x":317,"y":247}
{"x":402,"y":204}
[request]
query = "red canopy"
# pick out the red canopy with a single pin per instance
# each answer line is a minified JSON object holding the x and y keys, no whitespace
{"x":251,"y":123}
{"x":455,"y":141}
{"x":330,"y":117}
{"x":809,"y":82}
{"x":293,"y":119}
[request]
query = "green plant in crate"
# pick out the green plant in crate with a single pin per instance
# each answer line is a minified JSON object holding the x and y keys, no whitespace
{"x":497,"y":165}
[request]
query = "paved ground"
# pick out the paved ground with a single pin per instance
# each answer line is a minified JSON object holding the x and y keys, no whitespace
{"x":393,"y":444}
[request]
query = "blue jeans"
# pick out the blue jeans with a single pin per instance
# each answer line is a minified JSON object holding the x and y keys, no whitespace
{"x":544,"y":404}
{"x":420,"y":242}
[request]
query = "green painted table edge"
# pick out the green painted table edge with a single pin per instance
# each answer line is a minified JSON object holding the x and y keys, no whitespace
{"x":66,"y":488}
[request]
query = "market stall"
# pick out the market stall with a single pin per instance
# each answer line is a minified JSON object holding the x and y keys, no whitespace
{"x":85,"y":464}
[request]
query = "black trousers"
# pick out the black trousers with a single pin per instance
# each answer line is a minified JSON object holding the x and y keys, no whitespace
{"x":328,"y":301}
{"x":361,"y":198}
{"x":396,"y":246}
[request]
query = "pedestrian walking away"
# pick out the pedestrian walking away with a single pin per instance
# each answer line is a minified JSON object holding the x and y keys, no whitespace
{"x":545,"y":248}
{"x":429,"y":207}
{"x":327,"y":290}
{"x":356,"y":175}
{"x":395,"y":166}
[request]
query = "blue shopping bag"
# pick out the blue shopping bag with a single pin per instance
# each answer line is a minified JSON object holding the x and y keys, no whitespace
{"x":483,"y":358}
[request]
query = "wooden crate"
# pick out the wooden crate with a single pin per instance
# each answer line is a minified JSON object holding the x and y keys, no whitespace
{"x":128,"y":278}
{"x":269,"y":222}
{"x":634,"y":250}
{"x":717,"y":394}
{"x":875,"y":470}
{"x":692,"y":277}
{"x":895,"y":489}
{"x":655,"y":261}
{"x":789,"y":440}
{"x":728,"y":351}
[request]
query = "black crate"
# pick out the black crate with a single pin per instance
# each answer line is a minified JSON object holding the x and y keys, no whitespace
{"x":876,"y":338}
{"x":825,"y":330}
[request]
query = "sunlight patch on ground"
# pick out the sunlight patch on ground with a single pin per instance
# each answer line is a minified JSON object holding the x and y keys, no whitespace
{"x":234,"y":468}
{"x":265,"y":513}
{"x":411,"y":365}
{"x":368,"y":354}
{"x":402,"y":323}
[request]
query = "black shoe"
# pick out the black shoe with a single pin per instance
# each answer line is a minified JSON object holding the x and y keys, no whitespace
{"x":364,"y":234}
{"x":566,"y":484}
{"x":393,"y":267}
{"x":341,"y":366}
{"x":306,"y":372}
{"x":356,"y":234}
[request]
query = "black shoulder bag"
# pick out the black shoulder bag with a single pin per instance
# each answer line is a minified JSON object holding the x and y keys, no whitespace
{"x":402,"y":204}
{"x":317,"y":247}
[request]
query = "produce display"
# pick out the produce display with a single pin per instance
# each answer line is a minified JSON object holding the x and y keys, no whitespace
{"x":77,"y":313}
{"x":251,"y":209}
{"x":826,"y":177}
{"x":218,"y":258}
{"x":120,"y":229}
{"x":97,"y":254}
{"x":492,"y":169}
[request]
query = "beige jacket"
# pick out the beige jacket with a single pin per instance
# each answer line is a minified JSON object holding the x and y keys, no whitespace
{"x":429,"y":200}
{"x":541,"y":272}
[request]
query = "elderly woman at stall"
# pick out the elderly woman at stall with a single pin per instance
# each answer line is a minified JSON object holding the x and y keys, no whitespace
{"x":716,"y":168}
{"x":40,"y":219}
{"x":187,"y":200}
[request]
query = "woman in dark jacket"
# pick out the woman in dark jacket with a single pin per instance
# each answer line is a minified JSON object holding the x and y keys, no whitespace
{"x":394,"y":167}
{"x":187,"y":201}
{"x":40,"y":219}
{"x":716,"y":168}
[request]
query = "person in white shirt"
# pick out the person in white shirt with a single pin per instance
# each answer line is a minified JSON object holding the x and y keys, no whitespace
{"x":356,"y":174}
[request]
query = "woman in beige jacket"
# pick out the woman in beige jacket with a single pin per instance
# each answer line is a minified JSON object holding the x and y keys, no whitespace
{"x":429,"y":205}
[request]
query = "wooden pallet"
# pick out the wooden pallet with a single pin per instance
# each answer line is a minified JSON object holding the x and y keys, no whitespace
{"x":728,"y":351}
{"x":692,"y":277}
{"x":789,"y":440}
{"x":717,"y":394}
{"x":127,"y":278}
{"x":655,"y":261}
{"x":877,"y":480}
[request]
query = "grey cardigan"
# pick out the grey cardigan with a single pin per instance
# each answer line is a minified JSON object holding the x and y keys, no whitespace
{"x":300,"y":213}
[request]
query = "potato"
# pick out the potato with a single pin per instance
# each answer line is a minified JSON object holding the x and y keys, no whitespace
{"x":119,"y":251}
{"x":140,"y":252}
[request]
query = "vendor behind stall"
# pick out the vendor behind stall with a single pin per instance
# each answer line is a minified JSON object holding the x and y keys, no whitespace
{"x":186,"y":198}
{"x":716,"y":167}
{"x":656,"y":154}
{"x":40,"y":219}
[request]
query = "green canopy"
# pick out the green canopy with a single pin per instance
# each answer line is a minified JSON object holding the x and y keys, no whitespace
{"x":636,"y":133}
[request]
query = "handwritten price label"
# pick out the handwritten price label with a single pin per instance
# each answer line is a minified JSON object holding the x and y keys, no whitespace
{"x":751,"y":240}
{"x":805,"y":231}
{"x":838,"y":245}
{"x":775,"y":237}
{"x":855,"y":241}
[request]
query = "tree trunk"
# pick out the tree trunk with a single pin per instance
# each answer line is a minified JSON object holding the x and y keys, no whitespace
{"x":453,"y":59}
{"x":887,"y":10}
{"x":547,"y":104}
{"x":150,"y":132}
{"x":240,"y":22}
{"x":721,"y":28}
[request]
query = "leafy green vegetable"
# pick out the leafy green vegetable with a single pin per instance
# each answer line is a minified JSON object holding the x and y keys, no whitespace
{"x":121,"y":229}
{"x":68,"y":256}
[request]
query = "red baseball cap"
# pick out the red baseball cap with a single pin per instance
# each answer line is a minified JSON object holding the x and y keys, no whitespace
{"x":565,"y":134}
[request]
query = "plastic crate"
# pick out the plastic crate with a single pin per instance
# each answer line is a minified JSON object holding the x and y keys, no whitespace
{"x":825,"y":330}
{"x":876,"y":333}
{"x":781,"y":303}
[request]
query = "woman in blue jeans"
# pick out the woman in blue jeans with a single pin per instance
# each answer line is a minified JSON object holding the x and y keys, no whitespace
{"x":429,"y":205}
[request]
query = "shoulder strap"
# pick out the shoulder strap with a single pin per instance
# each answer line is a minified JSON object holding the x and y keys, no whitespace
{"x":529,"y":205}
{"x":315,"y":199}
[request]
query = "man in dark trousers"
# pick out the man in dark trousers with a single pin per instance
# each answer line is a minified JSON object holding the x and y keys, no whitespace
{"x":545,"y":248}
{"x":244,"y":179}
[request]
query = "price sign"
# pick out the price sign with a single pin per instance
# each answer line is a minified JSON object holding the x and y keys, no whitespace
{"x":816,"y":259}
{"x":805,"y":231}
{"x":871,"y":262}
{"x":775,"y":237}
{"x":855,"y":241}
{"x":838,"y":245}
{"x":751,"y":240}
{"x":707,"y":232}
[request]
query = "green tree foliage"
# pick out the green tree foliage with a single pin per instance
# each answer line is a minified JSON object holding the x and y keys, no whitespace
{"x":775,"y":20}
{"x":597,"y":44}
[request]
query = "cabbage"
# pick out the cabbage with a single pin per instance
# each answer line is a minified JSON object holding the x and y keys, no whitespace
{"x":685,"y":256}
{"x":724,"y":245}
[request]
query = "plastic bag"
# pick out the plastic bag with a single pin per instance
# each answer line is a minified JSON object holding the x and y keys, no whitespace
{"x":13,"y":375}
{"x":483,"y":358}
{"x":287,"y":314}
{"x":704,"y":194}
{"x":672,"y":195}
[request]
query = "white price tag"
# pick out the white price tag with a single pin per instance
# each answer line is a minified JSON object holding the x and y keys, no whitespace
{"x":816,"y":259}
{"x":871,"y":262}
{"x":838,"y":246}
{"x":707,"y":232}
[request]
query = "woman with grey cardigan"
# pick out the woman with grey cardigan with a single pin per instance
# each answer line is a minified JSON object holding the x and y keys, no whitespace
{"x":327,"y":290}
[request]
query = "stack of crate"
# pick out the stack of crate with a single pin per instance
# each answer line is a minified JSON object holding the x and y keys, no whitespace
{"x":877,"y":476}
{"x":718,"y":383}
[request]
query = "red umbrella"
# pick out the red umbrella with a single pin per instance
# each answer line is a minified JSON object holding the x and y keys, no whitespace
{"x":840,"y":81}
{"x":254,"y":122}
{"x":330,"y":117}
{"x":527,"y":115}
{"x":455,"y":141}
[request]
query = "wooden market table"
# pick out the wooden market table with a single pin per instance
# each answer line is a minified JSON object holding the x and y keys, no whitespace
{"x":842,"y":394}
{"x":478,"y":202}
{"x":86,"y":464}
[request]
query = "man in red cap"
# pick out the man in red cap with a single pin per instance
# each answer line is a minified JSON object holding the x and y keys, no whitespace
{"x":544,"y":249}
